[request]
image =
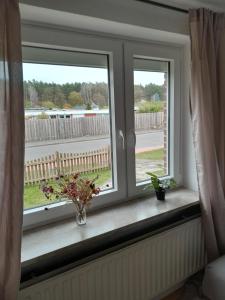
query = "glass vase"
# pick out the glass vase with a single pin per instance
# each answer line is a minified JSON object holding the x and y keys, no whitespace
{"x":81,"y":217}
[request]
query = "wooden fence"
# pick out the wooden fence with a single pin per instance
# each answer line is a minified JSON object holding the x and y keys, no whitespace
{"x":66,"y":163}
{"x":57,"y":129}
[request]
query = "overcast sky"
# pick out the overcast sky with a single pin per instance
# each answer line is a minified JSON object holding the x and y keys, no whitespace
{"x":63,"y":74}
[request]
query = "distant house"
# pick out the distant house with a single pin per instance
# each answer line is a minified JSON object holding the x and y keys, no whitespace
{"x":155,"y":97}
{"x":80,"y":107}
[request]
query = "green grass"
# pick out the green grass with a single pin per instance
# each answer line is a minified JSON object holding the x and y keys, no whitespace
{"x":33,"y":196}
{"x":151,"y":155}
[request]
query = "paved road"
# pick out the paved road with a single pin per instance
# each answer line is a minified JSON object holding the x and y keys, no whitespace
{"x":40,"y":149}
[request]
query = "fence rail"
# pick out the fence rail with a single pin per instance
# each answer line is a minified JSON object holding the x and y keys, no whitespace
{"x":66,"y":163}
{"x":57,"y":129}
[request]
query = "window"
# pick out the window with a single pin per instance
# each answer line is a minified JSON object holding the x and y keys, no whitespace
{"x":152,"y":87}
{"x":98,"y":109}
{"x":67,"y":119}
{"x":151,"y":117}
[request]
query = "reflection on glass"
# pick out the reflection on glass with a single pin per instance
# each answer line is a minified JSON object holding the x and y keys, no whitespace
{"x":67,"y":119}
{"x":151,"y":114}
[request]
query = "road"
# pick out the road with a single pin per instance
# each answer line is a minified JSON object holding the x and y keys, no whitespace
{"x":36,"y":150}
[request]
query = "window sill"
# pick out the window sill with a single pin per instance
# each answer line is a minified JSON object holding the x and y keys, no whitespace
{"x":55,"y":246}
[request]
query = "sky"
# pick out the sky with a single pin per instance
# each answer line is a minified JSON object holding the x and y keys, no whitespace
{"x":63,"y":74}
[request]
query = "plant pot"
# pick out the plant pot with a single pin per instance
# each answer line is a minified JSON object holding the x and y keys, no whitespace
{"x":160,"y":195}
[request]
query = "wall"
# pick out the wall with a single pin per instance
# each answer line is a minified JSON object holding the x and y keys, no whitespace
{"x":189,"y":168}
{"x":123,"y":11}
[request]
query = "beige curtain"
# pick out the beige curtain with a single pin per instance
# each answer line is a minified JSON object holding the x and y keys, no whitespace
{"x":11,"y":149}
{"x":207,"y":31}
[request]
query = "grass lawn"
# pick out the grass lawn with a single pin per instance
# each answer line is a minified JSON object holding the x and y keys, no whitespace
{"x":151,"y":155}
{"x":33,"y":197}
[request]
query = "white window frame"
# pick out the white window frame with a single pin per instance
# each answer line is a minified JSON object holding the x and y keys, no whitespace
{"x":37,"y":36}
{"x":161,"y":53}
{"x":121,"y":54}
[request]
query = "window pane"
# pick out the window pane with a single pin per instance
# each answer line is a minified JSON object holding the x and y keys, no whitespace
{"x":151,"y":114}
{"x":67,"y":118}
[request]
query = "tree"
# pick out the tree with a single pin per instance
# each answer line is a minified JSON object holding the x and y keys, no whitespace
{"x":139,"y":93}
{"x":67,"y":106}
{"x":48,"y":104}
{"x":151,"y":89}
{"x":67,"y":88}
{"x":87,"y":91}
{"x":75,"y":98}
{"x":99,"y":99}
{"x":47,"y":94}
{"x":59,"y":97}
{"x":27,"y":104}
{"x":89,"y":106}
{"x":101,"y":94}
{"x":33,"y":95}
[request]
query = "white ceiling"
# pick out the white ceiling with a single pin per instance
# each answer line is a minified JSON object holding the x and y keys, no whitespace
{"x":218,"y":5}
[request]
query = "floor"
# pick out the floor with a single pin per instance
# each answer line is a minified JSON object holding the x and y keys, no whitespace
{"x":190,"y":291}
{"x":184,"y":294}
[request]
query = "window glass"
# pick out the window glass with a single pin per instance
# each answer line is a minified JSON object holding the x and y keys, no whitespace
{"x":67,"y":119}
{"x":151,"y":117}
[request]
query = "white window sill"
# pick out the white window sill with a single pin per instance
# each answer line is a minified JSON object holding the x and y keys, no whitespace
{"x":46,"y":242}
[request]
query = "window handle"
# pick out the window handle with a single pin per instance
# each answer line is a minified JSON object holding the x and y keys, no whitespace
{"x":132,"y":139}
{"x":122,"y":138}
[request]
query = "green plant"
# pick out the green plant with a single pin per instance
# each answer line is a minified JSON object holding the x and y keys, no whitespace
{"x":48,"y":104}
{"x":161,"y":184}
{"x":88,"y":106}
{"x":42,"y":116}
{"x":150,"y":106}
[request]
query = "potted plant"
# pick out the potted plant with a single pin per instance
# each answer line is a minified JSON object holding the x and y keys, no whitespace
{"x":161,"y":185}
{"x":73,"y":189}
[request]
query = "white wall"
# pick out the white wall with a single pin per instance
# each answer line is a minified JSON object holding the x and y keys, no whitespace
{"x":124,"y":11}
{"x":188,"y":161}
{"x":134,"y":20}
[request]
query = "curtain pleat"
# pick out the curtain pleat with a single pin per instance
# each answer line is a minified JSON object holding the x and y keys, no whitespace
{"x":207,"y":32}
{"x":11,"y":148}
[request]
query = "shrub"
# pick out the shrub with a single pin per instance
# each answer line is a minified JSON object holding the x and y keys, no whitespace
{"x":150,"y":106}
{"x":48,"y":104}
{"x":42,"y":116}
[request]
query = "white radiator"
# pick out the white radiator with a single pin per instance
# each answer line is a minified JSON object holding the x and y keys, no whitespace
{"x":141,"y":271}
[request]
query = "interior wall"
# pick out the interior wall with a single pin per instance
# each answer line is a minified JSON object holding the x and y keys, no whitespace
{"x":188,"y":161}
{"x":124,"y":11}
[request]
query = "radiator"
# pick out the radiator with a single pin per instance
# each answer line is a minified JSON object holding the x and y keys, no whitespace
{"x":141,"y":271}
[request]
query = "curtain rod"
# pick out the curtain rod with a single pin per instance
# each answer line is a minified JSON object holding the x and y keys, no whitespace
{"x":171,"y":7}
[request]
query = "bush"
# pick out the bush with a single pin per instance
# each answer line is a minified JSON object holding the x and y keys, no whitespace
{"x":48,"y":104}
{"x":42,"y":116}
{"x":151,"y":106}
{"x":88,"y":106}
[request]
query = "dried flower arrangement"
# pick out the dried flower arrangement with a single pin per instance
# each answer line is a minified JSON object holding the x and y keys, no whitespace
{"x":73,"y":189}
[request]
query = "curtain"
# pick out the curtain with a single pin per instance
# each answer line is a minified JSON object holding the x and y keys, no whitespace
{"x":11,"y":149}
{"x":207,"y":32}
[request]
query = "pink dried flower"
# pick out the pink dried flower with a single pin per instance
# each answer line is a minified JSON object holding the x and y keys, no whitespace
{"x":80,"y":191}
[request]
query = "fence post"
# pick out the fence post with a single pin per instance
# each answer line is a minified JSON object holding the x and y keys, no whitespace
{"x":57,"y":160}
{"x":109,"y":157}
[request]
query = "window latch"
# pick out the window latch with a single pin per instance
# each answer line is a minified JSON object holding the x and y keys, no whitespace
{"x":122,"y":138}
